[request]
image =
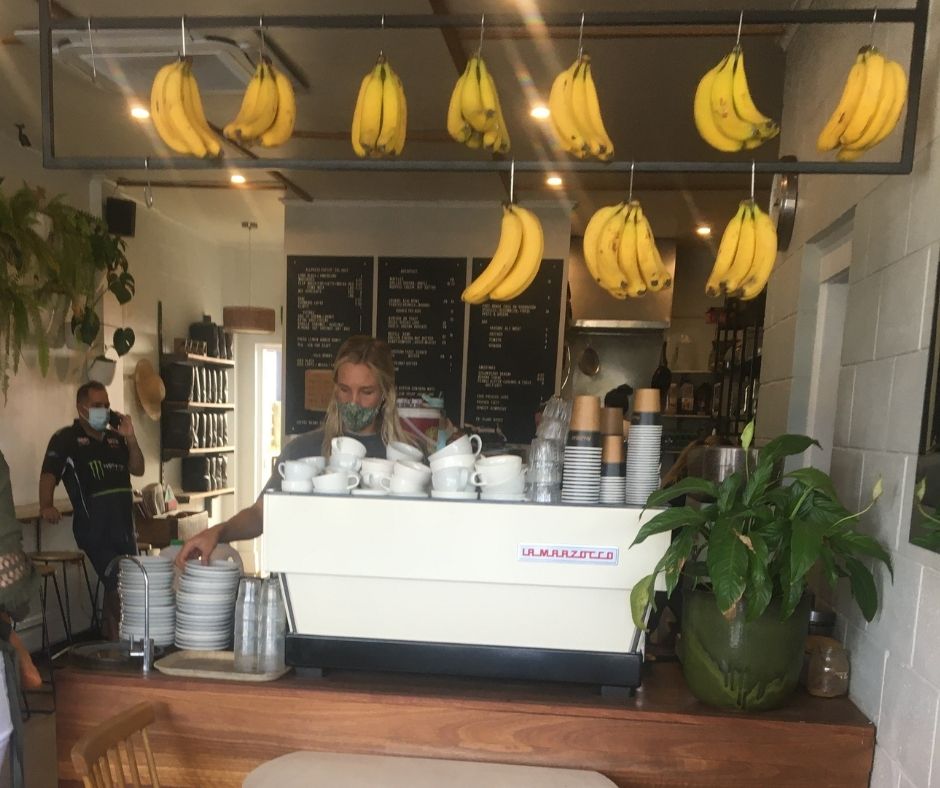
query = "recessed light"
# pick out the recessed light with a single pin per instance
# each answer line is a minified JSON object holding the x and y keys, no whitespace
{"x":237,"y":178}
{"x":704,"y":230}
{"x":540,"y":112}
{"x":554,"y":181}
{"x":139,"y":113}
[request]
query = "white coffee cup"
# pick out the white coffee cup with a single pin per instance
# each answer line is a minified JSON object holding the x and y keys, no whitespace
{"x":318,"y":463}
{"x":462,"y":445}
{"x":296,"y":470}
{"x":344,"y":462}
{"x":415,"y":472}
{"x":373,"y":470}
{"x":499,"y":478}
{"x":397,"y":450}
{"x":506,"y":461}
{"x":399,"y":485}
{"x":344,"y":445}
{"x":297,"y":486}
{"x":450,"y":479}
{"x":335,"y":482}
{"x":452,"y":461}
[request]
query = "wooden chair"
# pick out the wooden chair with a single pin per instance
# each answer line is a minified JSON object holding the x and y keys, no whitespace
{"x":97,"y":755}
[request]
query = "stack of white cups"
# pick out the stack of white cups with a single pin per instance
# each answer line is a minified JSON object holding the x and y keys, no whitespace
{"x":452,"y":469}
{"x":500,"y":478}
{"x":644,"y":447}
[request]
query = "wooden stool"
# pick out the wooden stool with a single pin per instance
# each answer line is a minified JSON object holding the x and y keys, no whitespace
{"x":66,"y":558}
{"x":47,"y":572}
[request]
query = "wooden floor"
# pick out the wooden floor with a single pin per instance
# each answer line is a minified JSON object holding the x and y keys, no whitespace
{"x":212,"y":733}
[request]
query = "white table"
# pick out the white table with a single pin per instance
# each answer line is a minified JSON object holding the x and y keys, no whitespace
{"x":341,"y":770}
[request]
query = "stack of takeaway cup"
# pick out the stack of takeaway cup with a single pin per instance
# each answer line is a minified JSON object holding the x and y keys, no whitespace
{"x":581,"y":477}
{"x":644,"y":446}
{"x":613,"y":466}
{"x":452,"y":469}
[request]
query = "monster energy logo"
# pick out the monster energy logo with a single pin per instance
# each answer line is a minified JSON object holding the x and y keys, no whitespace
{"x":97,"y":469}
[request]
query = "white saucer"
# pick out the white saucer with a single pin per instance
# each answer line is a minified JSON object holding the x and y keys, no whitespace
{"x":365,"y":492}
{"x":459,"y":495}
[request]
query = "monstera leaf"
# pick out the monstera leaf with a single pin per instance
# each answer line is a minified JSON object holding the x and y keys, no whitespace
{"x":86,"y":326}
{"x":123,"y":340}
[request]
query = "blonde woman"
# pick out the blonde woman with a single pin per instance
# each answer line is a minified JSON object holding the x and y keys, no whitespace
{"x":364,"y":406}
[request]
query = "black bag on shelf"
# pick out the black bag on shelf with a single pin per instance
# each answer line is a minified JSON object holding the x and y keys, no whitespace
{"x":196,"y":473}
{"x":208,"y":332}
{"x":179,"y":380}
{"x":178,"y":430}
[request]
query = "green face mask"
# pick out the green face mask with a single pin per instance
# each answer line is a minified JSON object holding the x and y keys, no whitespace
{"x":355,"y":417}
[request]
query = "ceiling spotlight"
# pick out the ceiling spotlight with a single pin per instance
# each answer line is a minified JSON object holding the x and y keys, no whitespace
{"x":554,"y":181}
{"x":139,"y":113}
{"x":540,"y":112}
{"x":704,"y":231}
{"x":238,"y":178}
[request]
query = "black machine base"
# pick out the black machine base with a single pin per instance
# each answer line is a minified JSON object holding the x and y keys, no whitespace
{"x":608,"y":669}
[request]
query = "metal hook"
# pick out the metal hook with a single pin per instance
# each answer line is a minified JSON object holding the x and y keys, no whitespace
{"x":148,"y":190}
{"x":753,"y":171}
{"x":581,"y":37}
{"x":512,"y":180}
{"x":630,"y":193}
{"x":183,"y":33}
{"x":482,"y":23}
{"x":737,"y":41}
{"x":874,"y":18}
{"x":382,"y":36}
{"x":91,"y":46}
{"x":261,"y":33}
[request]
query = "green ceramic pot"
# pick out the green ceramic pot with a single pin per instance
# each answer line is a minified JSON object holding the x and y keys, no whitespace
{"x":739,"y":664}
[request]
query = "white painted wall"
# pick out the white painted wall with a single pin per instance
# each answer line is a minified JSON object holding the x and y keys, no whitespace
{"x":895,"y":247}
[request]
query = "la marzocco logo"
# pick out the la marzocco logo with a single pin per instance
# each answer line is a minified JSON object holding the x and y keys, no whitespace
{"x":569,"y":554}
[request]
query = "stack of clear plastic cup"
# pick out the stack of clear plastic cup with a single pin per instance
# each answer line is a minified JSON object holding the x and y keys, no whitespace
{"x":273,"y":627}
{"x":247,"y":618}
{"x":543,"y":473}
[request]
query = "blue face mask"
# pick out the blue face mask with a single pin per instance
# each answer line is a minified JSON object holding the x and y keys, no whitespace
{"x":98,"y":418}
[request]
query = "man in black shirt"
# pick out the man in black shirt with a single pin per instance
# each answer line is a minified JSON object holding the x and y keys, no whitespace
{"x":95,"y":462}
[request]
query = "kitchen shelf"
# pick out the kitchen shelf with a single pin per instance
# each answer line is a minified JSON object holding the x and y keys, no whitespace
{"x":686,"y":415}
{"x":175,"y":405}
{"x":195,"y":358}
{"x":187,"y":497}
{"x":173,"y":453}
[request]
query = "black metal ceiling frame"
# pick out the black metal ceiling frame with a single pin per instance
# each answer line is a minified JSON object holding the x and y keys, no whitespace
{"x":916,"y":16}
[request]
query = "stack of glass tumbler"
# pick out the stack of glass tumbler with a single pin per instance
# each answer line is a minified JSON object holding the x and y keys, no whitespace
{"x":543,"y":470}
{"x":260,"y":626}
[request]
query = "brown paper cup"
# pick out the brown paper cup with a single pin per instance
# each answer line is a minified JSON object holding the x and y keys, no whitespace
{"x":586,"y":414}
{"x":646,"y":401}
{"x":612,"y":421}
{"x":613,"y":449}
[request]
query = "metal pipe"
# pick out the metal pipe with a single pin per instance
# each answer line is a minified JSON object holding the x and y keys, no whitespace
{"x":46,"y":102}
{"x":472,"y":21}
{"x":147,"y":652}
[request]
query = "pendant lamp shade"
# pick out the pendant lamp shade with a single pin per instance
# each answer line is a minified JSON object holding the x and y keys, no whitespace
{"x":249,"y":319}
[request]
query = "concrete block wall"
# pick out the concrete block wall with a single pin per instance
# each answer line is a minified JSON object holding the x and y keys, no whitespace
{"x":895,"y":243}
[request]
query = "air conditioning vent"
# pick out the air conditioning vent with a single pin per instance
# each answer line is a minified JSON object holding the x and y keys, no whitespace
{"x":127,"y":60}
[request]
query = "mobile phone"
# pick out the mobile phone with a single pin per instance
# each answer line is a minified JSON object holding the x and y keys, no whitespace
{"x":115,"y":419}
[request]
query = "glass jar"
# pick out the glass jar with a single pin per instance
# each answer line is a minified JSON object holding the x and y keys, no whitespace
{"x":828,"y":675}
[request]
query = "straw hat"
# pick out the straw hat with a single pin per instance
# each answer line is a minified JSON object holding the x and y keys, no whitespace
{"x":150,"y":389}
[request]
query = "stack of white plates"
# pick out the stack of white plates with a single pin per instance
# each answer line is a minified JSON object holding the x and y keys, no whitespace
{"x":162,"y":609}
{"x":613,"y":483}
{"x":205,"y":605}
{"x":581,"y":474}
{"x":643,"y":457}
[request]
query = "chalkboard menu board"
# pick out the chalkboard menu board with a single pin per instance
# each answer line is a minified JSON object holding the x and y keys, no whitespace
{"x":420,"y":314}
{"x":328,"y":299}
{"x":513,"y":354}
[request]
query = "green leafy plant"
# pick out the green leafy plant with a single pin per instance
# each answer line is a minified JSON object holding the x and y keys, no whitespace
{"x":761,"y":535}
{"x":49,"y":250}
{"x":929,"y":523}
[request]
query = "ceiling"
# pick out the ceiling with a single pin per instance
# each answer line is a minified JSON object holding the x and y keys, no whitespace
{"x":645,"y":80}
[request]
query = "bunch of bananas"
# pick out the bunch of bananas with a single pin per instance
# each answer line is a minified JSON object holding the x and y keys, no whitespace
{"x":870,"y":107}
{"x":620,"y":251}
{"x":268,"y":109}
{"x":746,"y":254}
{"x":725,"y":114}
{"x":380,"y":120}
{"x":576,"y":113}
{"x":474,"y":116}
{"x":178,"y":116}
{"x":516,"y":261}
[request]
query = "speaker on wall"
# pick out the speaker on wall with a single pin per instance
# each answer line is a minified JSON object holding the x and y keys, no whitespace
{"x":120,"y":216}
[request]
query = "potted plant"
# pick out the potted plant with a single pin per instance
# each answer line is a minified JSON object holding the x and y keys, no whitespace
{"x":745,"y":557}
{"x":51,"y":253}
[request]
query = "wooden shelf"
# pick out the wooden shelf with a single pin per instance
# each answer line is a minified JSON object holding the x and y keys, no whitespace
{"x":188,"y":497}
{"x":172,"y":453}
{"x":195,"y":358}
{"x":686,"y":416}
{"x":178,"y":405}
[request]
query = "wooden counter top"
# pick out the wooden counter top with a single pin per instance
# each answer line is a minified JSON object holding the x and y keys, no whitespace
{"x":215,"y":732}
